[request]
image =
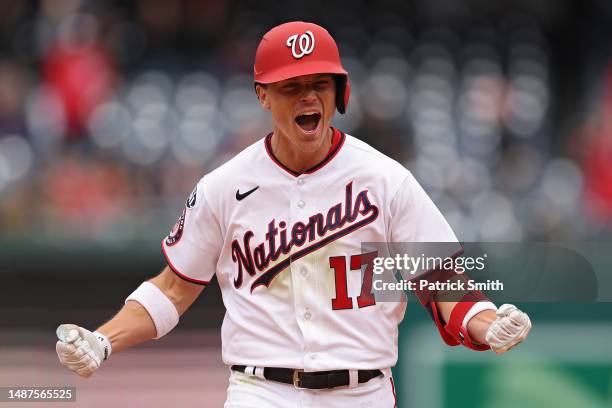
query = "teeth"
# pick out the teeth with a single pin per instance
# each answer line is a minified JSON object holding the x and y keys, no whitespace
{"x":308,"y":113}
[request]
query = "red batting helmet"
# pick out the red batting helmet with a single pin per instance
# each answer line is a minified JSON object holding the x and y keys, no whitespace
{"x":299,"y":48}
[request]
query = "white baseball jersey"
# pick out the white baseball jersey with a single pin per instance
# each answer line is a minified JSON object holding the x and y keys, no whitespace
{"x":285,"y":248}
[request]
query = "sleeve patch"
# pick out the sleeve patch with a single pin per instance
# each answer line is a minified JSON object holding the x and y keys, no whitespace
{"x":177,"y":230}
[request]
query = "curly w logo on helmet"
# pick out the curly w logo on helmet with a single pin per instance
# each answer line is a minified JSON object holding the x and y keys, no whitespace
{"x":305,"y":42}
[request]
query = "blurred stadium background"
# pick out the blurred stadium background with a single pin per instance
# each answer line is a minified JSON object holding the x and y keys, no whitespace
{"x":111,"y":111}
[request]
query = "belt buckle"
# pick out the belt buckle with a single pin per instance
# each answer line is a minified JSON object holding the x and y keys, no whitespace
{"x":296,"y":378}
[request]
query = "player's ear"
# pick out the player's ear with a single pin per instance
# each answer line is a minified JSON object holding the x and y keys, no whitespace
{"x":262,"y":95}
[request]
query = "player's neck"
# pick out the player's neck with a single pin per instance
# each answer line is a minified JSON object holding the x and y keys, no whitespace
{"x":299,"y":161}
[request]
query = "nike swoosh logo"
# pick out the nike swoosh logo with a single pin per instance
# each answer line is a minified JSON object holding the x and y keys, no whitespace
{"x":242,"y":196}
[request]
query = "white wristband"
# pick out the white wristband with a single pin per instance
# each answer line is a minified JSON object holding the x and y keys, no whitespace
{"x":160,"y":308}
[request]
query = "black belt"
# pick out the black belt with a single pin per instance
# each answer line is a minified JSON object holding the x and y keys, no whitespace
{"x":315,"y":380}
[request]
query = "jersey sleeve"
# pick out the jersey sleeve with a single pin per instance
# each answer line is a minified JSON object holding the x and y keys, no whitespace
{"x":418,"y":228}
{"x":193,"y":246}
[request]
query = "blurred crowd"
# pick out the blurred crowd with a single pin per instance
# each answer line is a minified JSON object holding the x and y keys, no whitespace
{"x":111,"y":111}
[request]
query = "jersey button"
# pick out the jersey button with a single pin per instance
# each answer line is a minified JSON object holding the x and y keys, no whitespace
{"x":304,"y":271}
{"x":300,"y":182}
{"x":307,"y":315}
{"x":313,"y":356}
{"x":301,"y":204}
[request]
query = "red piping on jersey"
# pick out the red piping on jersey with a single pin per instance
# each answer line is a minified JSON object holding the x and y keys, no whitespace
{"x":338,"y":139}
{"x":394,"y":395}
{"x":180,"y":275}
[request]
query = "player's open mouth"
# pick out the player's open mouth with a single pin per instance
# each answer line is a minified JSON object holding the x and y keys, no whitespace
{"x":308,"y":121}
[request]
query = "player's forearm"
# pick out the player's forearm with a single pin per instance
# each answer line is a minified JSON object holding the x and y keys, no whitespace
{"x":479,"y":324}
{"x":131,"y":326}
{"x":134,"y":324}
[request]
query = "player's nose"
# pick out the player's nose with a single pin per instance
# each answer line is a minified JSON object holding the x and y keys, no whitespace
{"x":308,"y":95}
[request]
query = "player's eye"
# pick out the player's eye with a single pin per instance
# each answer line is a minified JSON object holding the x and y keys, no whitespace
{"x":290,"y":88}
{"x":323,"y":85}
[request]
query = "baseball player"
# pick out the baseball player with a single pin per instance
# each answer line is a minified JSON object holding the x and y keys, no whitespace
{"x":281,"y":226}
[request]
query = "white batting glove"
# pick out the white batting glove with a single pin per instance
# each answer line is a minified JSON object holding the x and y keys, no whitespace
{"x":509,"y":329}
{"x":81,"y":350}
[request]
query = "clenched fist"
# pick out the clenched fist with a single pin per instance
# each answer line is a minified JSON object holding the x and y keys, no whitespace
{"x":509,"y":329}
{"x":81,"y":350}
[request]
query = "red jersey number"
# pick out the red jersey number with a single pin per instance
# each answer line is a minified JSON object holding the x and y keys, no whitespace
{"x":366,"y":297}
